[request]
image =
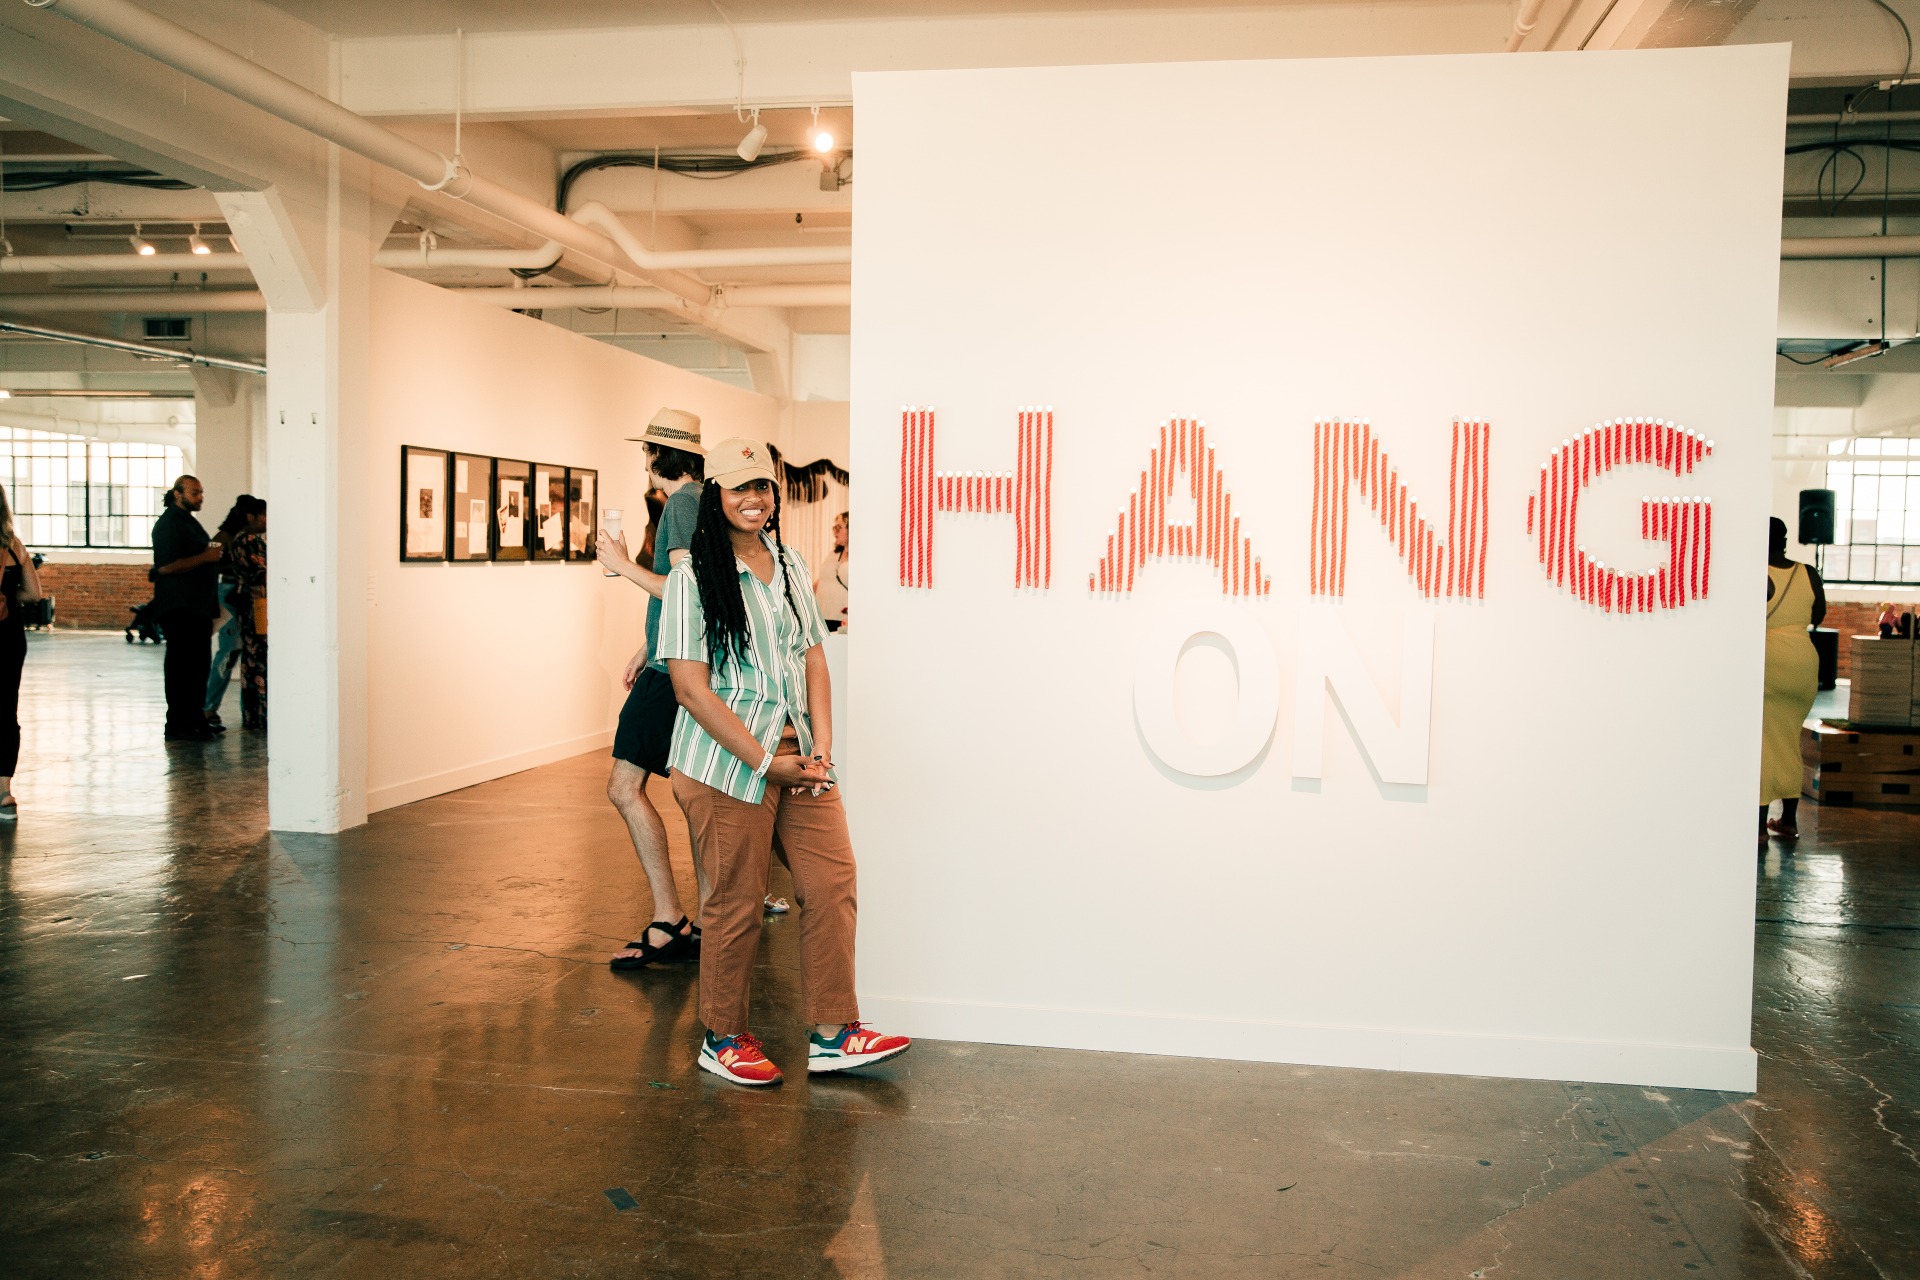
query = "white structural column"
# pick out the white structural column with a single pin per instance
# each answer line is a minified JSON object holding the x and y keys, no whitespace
{"x":302,"y":215}
{"x":316,"y":413}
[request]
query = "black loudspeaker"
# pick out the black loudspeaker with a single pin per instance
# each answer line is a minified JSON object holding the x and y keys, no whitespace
{"x":1816,"y":518}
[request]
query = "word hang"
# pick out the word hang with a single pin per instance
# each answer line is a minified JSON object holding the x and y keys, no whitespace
{"x":1348,"y":459}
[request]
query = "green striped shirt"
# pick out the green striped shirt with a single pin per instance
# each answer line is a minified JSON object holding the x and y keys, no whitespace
{"x":766,"y":690}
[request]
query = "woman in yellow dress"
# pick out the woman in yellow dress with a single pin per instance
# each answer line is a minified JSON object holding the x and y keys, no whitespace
{"x":1796,"y":600}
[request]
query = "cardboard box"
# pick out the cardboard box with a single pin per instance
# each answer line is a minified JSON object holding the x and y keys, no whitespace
{"x":1848,"y":764}
{"x":1882,"y":691}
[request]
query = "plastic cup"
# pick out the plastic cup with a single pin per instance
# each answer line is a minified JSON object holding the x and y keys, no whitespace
{"x":610,"y":524}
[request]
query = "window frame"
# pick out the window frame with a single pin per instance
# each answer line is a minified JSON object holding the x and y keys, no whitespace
{"x":1860,"y":463}
{"x":25,"y":449}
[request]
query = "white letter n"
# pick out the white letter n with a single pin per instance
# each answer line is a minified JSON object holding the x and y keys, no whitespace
{"x":1327,"y":662}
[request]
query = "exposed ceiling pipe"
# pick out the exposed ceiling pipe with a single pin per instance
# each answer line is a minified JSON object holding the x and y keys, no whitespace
{"x":180,"y":434}
{"x":213,"y":64}
{"x":564,"y":297}
{"x":1851,"y":247}
{"x":427,"y":256}
{"x":1858,"y":117}
{"x":133,"y":348}
{"x":195,"y":55}
{"x":595,"y":214}
{"x":98,"y":263}
{"x":20,"y":394}
{"x":1523,"y":23}
{"x":598,"y":216}
{"x":154,"y":302}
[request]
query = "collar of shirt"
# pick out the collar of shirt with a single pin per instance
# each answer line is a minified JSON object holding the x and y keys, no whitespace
{"x":779,"y":569}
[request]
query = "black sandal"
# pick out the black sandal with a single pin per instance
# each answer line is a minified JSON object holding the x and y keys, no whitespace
{"x":650,"y":954}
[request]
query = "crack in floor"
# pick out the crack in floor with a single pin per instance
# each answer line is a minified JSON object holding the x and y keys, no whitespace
{"x":1493,"y":1224}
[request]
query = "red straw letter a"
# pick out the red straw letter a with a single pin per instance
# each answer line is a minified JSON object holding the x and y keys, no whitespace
{"x":1145,"y":530}
{"x":1026,"y":493}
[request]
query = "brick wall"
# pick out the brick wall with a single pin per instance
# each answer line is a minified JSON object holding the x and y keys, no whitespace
{"x":95,"y":597}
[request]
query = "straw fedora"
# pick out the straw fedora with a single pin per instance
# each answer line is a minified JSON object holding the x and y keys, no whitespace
{"x":673,"y":429}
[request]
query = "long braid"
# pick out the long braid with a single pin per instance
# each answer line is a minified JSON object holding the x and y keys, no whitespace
{"x":711,"y":551}
{"x":780,"y":553}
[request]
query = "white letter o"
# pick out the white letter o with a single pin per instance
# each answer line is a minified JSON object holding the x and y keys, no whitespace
{"x":1254,"y":714}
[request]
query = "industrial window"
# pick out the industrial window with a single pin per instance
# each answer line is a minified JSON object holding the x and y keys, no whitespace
{"x":69,"y":491}
{"x":1876,"y":512}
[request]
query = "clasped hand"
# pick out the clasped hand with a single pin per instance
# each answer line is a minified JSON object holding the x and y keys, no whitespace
{"x":796,"y":772}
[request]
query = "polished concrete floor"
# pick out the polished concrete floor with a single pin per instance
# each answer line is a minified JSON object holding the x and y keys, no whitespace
{"x":399,"y":1053}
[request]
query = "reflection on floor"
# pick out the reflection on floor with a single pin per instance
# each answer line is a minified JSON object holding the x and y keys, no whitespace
{"x":399,"y":1053}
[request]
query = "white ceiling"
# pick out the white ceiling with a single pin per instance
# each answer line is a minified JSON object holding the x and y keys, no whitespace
{"x":353,"y":18}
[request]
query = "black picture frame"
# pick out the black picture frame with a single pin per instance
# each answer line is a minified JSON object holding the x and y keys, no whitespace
{"x":423,"y":504}
{"x":470,"y":482}
{"x":547,"y":512}
{"x":512,"y":530}
{"x":583,"y":513}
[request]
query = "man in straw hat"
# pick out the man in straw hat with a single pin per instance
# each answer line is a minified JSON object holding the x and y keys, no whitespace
{"x":675,"y":463}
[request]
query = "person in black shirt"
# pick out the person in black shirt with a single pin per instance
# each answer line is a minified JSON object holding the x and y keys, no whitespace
{"x":186,"y":579}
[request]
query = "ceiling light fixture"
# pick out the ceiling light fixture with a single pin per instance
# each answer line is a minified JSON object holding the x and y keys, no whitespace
{"x":749,"y":148}
{"x":1858,"y":351}
{"x":196,"y":244}
{"x":141,"y":245}
{"x":822,"y":138}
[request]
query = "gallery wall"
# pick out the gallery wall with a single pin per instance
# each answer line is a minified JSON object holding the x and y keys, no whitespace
{"x":480,"y":670}
{"x":1482,"y":240}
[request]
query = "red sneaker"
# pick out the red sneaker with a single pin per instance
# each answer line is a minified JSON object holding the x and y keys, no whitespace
{"x":739,"y":1059}
{"x":855,"y":1046}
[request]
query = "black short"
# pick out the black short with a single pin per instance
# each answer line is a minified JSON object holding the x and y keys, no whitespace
{"x":646,"y":722}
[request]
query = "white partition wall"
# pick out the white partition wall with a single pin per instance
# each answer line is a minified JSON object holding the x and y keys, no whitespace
{"x":479,"y":670}
{"x":1347,"y":645}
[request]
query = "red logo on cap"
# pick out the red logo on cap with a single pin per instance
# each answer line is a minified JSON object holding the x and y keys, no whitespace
{"x":747,"y":454}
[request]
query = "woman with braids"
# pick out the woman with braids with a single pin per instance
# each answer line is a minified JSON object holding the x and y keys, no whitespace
{"x":752,"y":759}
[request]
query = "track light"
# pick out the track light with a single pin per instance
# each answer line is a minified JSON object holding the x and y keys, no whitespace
{"x":749,"y":148}
{"x":1856,"y":351}
{"x":141,"y":245}
{"x":822,"y":138}
{"x":196,"y":244}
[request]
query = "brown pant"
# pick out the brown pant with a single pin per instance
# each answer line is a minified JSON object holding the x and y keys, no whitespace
{"x":732,"y":843}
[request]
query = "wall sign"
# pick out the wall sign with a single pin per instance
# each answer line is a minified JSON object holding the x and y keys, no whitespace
{"x":1320,"y":553}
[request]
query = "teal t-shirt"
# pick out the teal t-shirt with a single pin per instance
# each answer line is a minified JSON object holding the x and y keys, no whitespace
{"x":681,"y":513}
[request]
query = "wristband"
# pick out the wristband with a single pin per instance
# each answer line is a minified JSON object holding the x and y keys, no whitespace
{"x":766,"y":763}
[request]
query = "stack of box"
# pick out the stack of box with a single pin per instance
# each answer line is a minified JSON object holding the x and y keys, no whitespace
{"x":1874,"y":768}
{"x":1883,"y":682}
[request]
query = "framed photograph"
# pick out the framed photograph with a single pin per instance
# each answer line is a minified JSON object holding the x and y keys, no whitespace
{"x":512,"y":530}
{"x":549,"y":515}
{"x":583,"y":512}
{"x":423,"y":503}
{"x":470,"y":528}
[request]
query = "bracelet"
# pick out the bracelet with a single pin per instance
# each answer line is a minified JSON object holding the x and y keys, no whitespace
{"x":766,"y":763}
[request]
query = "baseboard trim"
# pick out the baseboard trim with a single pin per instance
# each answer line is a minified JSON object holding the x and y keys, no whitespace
{"x":1676,"y":1066}
{"x":438,"y":784}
